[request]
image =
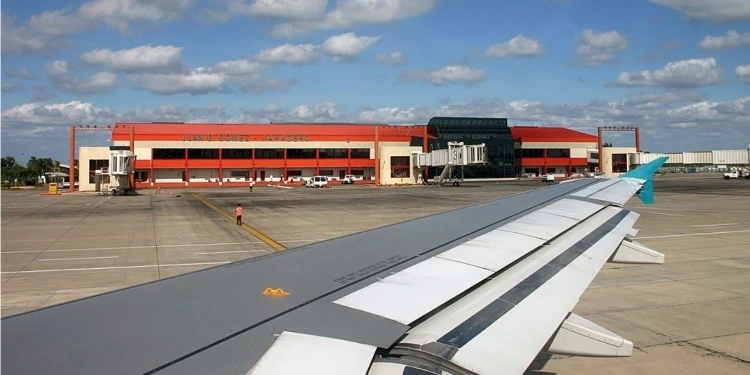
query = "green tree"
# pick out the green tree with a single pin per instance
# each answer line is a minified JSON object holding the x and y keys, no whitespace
{"x":8,"y":161}
{"x":40,"y":166}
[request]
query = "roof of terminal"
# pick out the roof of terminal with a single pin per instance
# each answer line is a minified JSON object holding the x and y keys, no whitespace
{"x":522,"y":133}
{"x":159,"y":130}
{"x":549,"y":134}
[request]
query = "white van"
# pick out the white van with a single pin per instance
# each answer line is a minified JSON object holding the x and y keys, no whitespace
{"x":317,"y":181}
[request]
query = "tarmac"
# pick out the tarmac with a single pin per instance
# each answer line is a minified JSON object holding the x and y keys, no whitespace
{"x":686,"y":316}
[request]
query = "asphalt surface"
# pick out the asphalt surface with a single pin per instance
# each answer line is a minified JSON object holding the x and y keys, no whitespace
{"x":686,"y":316}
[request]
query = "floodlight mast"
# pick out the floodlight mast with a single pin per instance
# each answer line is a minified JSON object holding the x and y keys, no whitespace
{"x":601,"y":129}
{"x":93,"y":128}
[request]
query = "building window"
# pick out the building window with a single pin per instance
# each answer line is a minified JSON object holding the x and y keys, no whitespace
{"x":360,"y":153}
{"x":558,"y":152}
{"x":95,"y":164}
{"x":400,"y":167}
{"x":532,"y":153}
{"x":300,"y":153}
{"x":619,"y":163}
{"x":269,"y":153}
{"x":358,"y":172}
{"x":169,"y":153}
{"x":203,"y":153}
{"x":326,"y":172}
{"x":550,"y":170}
{"x":333,"y":153}
{"x":236,"y":153}
{"x":294,"y":173}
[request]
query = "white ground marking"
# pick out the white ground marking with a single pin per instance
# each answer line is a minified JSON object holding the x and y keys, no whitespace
{"x":713,"y":225}
{"x":135,"y":247}
{"x":119,"y":268}
{"x":663,"y":213}
{"x":693,"y":234}
{"x":231,"y":252}
{"x":81,"y":258}
{"x":155,"y":246}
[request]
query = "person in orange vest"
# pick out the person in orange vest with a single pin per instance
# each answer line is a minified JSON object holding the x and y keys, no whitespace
{"x":238,"y":213}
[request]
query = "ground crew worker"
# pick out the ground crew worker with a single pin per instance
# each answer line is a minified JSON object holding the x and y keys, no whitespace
{"x":238,"y":213}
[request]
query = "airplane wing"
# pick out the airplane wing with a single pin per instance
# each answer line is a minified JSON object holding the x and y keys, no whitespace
{"x":477,"y":290}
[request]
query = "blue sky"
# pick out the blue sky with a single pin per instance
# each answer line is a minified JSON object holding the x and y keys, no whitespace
{"x":679,"y":69}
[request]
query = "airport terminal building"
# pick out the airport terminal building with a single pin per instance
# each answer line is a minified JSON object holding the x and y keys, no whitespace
{"x":210,"y":155}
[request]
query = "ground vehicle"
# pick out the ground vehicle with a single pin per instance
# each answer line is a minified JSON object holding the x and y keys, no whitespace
{"x":742,"y":173}
{"x":348,"y":179}
{"x":317,"y":181}
{"x":548,"y":178}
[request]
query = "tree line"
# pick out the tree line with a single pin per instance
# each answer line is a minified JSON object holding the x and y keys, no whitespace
{"x":14,"y":173}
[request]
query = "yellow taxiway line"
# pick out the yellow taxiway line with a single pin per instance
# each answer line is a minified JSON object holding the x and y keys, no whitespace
{"x":277,"y":246}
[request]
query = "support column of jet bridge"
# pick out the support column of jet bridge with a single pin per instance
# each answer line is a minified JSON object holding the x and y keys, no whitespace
{"x":453,"y":159}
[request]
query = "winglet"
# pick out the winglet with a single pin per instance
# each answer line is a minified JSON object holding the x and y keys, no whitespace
{"x":646,"y":172}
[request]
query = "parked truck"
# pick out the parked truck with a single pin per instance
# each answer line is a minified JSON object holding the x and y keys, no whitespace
{"x":737,"y":173}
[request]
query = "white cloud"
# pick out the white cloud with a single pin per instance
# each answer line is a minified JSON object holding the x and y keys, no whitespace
{"x":119,"y":14}
{"x":318,"y":112}
{"x":446,"y":75}
{"x":271,"y":108}
{"x":22,"y":40}
{"x":518,"y":46}
{"x":10,"y":87}
{"x":713,"y":10}
{"x":57,"y":23}
{"x":743,"y":72}
{"x":393,"y":58}
{"x":142,"y":58}
{"x":289,"y":54}
{"x":679,"y":74}
{"x":279,"y":9}
{"x":74,"y":112}
{"x":239,"y":67}
{"x":57,"y":68}
{"x":60,"y":77}
{"x":46,"y":31}
{"x":676,"y":96}
{"x":196,"y":82}
{"x":99,"y":82}
{"x":20,"y":73}
{"x":389,"y":115}
{"x":732,"y":39}
{"x":347,"y":46}
{"x":350,"y":13}
{"x":598,"y":48}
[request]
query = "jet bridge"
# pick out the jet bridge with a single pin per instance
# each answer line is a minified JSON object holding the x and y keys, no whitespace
{"x":121,"y":166}
{"x":453,"y":159}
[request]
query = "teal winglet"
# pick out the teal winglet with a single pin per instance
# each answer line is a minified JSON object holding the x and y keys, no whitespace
{"x":646,"y":172}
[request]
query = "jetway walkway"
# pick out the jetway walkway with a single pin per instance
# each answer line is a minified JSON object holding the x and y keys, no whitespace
{"x":452,"y":159}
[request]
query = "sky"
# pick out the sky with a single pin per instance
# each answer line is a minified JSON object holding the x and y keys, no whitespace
{"x":678,"y":69}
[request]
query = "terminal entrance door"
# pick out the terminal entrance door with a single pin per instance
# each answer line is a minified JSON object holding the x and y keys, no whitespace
{"x":342,"y":174}
{"x":262,"y":175}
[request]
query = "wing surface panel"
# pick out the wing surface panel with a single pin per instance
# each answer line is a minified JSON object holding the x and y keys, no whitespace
{"x":410,"y":294}
{"x":470,"y":331}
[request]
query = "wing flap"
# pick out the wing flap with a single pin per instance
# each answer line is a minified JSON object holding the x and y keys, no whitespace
{"x":297,"y":353}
